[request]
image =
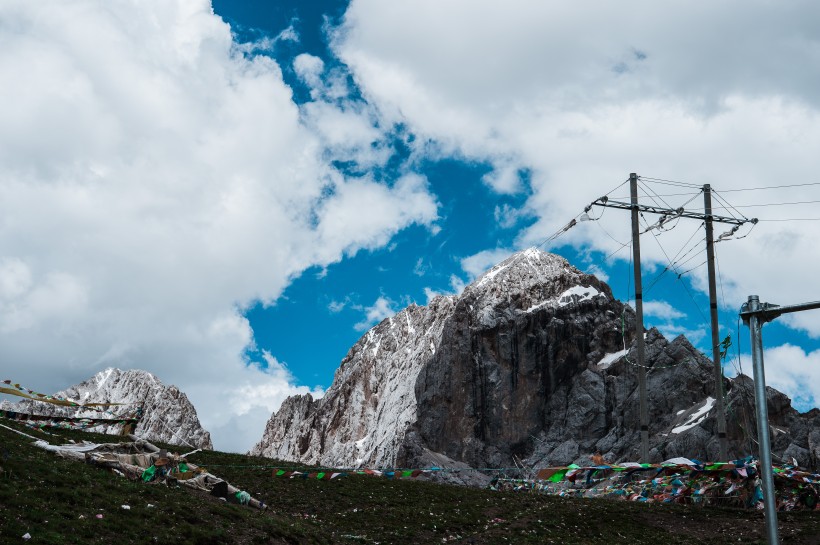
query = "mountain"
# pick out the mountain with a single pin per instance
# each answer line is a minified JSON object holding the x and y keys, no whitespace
{"x":532,"y":364}
{"x":168,"y":416}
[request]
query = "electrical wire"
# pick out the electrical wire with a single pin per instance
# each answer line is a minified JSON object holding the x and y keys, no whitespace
{"x":769,"y":187}
{"x":767,"y":204}
{"x":692,"y":269}
{"x":791,"y":219}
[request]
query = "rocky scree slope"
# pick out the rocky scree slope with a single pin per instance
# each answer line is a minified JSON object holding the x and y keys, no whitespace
{"x":532,"y":363}
{"x":168,"y":414}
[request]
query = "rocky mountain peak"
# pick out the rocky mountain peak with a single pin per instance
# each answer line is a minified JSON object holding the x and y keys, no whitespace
{"x":533,"y":362}
{"x":168,"y":415}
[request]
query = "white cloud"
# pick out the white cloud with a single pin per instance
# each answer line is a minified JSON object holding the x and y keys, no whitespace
{"x":336,"y":306}
{"x":273,"y":385}
{"x":309,"y":68}
{"x":661,"y":309}
{"x":382,"y":308}
{"x":792,"y":370}
{"x":581,"y":95}
{"x":477,"y":264}
{"x":156,"y":179}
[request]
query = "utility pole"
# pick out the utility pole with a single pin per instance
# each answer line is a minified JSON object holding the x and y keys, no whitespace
{"x":668,"y":213}
{"x":636,"y":255}
{"x":713,"y":308}
{"x":755,"y":315}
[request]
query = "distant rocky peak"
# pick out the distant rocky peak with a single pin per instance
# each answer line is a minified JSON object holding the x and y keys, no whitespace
{"x":168,"y":415}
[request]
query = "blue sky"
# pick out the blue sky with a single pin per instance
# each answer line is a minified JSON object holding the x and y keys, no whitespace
{"x":228,"y":195}
{"x":321,"y":313}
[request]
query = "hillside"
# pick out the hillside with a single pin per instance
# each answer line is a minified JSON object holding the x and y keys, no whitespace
{"x":56,"y":501}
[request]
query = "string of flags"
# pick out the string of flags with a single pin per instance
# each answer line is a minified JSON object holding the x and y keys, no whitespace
{"x":20,"y":391}
{"x":685,"y":481}
{"x":64,"y":422}
{"x":679,"y":480}
{"x":41,"y":422}
{"x":329,"y":475}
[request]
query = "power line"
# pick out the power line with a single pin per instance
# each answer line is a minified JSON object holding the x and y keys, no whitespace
{"x":769,"y":187}
{"x":766,"y":204}
{"x":792,"y":219}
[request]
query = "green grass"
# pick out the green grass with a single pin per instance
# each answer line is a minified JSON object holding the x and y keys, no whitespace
{"x":56,"y":501}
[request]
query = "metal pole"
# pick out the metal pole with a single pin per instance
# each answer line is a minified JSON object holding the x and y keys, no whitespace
{"x":636,"y":255}
{"x":710,"y":260}
{"x":755,"y":327}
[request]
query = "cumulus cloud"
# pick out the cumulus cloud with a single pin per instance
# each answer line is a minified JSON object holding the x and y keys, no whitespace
{"x":581,"y":96}
{"x":157,"y":179}
{"x":477,"y":264}
{"x":662,"y":310}
{"x":382,"y":308}
{"x":791,"y":369}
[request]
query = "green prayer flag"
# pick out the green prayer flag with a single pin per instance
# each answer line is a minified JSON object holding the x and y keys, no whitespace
{"x":320,"y":476}
{"x":148,"y":474}
{"x":280,"y":472}
{"x":558,"y":476}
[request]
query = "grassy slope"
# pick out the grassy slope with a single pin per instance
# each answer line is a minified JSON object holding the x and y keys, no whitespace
{"x":46,"y":496}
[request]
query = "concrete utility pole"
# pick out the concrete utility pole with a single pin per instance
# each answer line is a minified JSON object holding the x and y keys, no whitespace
{"x":709,"y":219}
{"x":713,"y":308}
{"x":636,"y":254}
{"x":755,"y":315}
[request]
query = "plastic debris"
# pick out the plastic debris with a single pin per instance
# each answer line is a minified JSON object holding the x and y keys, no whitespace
{"x":99,"y":515}
{"x":27,"y":536}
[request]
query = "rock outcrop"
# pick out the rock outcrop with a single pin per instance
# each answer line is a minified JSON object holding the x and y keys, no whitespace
{"x":531,"y":364}
{"x":168,"y":416}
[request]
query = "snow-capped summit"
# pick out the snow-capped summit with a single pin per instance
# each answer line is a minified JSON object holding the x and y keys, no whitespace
{"x":168,"y":416}
{"x":531,"y":364}
{"x":365,"y":415}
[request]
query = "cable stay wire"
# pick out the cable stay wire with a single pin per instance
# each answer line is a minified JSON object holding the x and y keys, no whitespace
{"x":727,"y":205}
{"x":685,"y":244}
{"x":583,"y":216}
{"x":653,"y":195}
{"x":667,"y":182}
{"x":687,"y":194}
{"x":674,"y":262}
{"x":679,"y":277}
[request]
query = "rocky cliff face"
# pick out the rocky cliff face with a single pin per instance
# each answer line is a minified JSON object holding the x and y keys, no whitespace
{"x":532,"y":363}
{"x":168,"y":415}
